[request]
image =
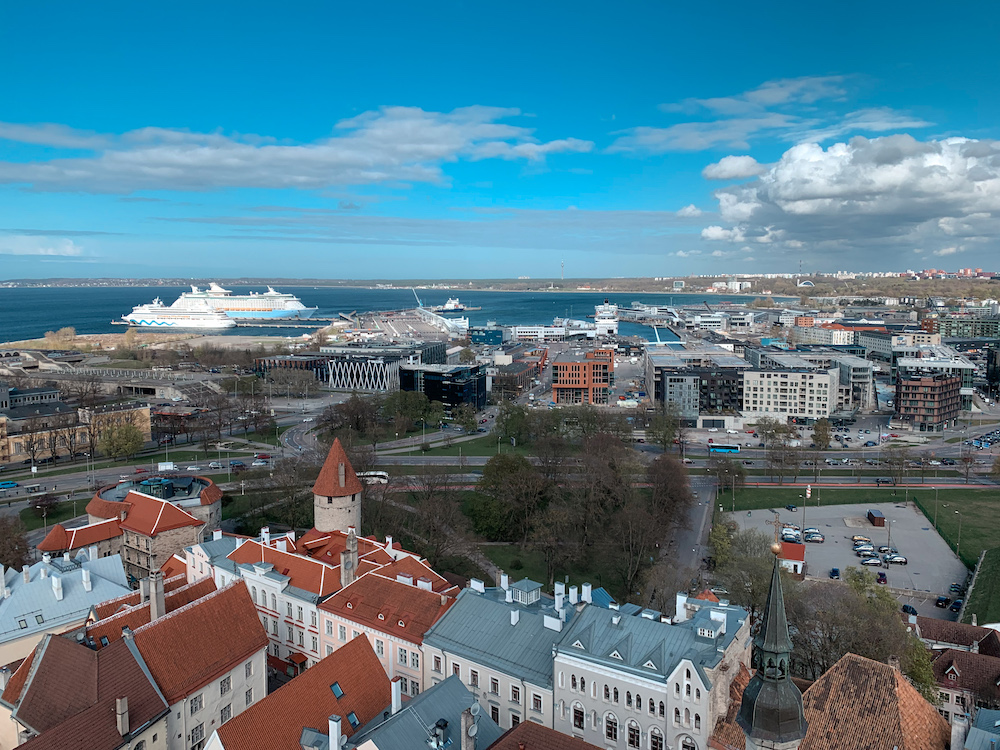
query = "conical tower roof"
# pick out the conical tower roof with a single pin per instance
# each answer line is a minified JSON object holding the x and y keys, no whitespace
{"x":771,"y":709}
{"x":337,"y":477}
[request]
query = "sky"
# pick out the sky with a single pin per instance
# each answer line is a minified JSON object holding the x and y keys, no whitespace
{"x":459,"y":139}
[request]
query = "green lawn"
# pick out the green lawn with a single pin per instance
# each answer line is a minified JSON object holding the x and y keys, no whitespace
{"x":267,"y":437}
{"x":975,"y":519}
{"x":984,"y":599}
{"x":61,"y":512}
{"x":482,"y":446}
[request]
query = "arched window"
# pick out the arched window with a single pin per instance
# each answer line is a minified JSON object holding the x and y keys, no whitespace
{"x":562,"y":679}
{"x":697,"y":694}
{"x":697,"y":721}
{"x":688,"y":744}
{"x":638,"y":702}
{"x":652,"y":707}
{"x":616,"y":695}
{"x":677,"y":717}
{"x":687,"y":674}
{"x":583,"y":685}
{"x":662,"y":709}
{"x":611,"y":728}
{"x":274,"y":603}
{"x":687,"y":691}
{"x":140,"y":745}
{"x":628,"y":698}
{"x":572,"y":682}
{"x":633,"y":734}
{"x":655,"y":739}
{"x":253,"y":594}
{"x":687,"y":716}
{"x":677,"y":690}
{"x":607,"y":693}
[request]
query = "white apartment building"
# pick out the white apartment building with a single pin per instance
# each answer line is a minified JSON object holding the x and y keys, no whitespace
{"x":789,"y":393}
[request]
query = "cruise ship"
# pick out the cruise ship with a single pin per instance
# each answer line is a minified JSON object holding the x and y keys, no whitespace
{"x":158,"y":315}
{"x":252,"y":306}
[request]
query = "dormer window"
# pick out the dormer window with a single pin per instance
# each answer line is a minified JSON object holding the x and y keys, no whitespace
{"x":616,"y":655}
{"x":706,"y":632}
{"x":577,"y":644}
{"x":350,"y":606}
{"x":952,"y":676}
{"x":402,"y":624}
{"x":381,"y":616}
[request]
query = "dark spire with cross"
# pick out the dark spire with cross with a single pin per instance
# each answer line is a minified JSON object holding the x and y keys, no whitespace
{"x":771,"y":713}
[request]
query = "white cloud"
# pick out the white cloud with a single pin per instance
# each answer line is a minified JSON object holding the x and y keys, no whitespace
{"x":36,"y":245}
{"x":804,"y":90}
{"x":52,"y":134}
{"x":392,"y":144}
{"x":733,"y":168}
{"x":689,"y":211}
{"x":892,"y":192}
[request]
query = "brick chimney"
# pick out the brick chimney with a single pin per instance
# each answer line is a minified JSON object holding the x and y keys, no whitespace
{"x":121,"y":715}
{"x":157,"y":606}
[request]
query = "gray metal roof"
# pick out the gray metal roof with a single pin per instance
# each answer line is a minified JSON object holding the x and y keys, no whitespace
{"x":639,"y":641}
{"x":478,"y":627}
{"x":411,"y":727}
{"x":34,"y":604}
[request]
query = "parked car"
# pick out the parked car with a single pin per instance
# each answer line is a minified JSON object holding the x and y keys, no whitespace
{"x":956,"y":605}
{"x":265,"y":456}
{"x":835,"y":574}
{"x":215,"y":465}
{"x":236,"y":463}
{"x":791,"y":508}
{"x":811,"y":530}
{"x":308,"y":419}
{"x":942,"y":602}
{"x":884,"y":549}
{"x":871,"y":561}
{"x":895,"y":560}
{"x":140,"y":470}
{"x":816,"y":538}
{"x":193,"y":468}
{"x":909,"y":609}
{"x":859,"y":538}
{"x":955,"y":588}
{"x":259,"y":462}
{"x":881,"y":577}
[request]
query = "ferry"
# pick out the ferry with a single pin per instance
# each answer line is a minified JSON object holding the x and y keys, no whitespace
{"x":452,"y":305}
{"x":158,"y":315}
{"x":252,"y":306}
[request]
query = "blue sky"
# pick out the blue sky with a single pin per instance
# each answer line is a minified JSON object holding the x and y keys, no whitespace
{"x":471,"y":139}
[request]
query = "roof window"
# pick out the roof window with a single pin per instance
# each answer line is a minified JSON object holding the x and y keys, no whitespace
{"x":353,"y":719}
{"x":337,"y":690}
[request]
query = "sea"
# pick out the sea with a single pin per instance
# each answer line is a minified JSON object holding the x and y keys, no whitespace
{"x":28,"y":312}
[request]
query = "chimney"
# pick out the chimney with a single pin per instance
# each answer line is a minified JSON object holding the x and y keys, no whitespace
{"x":92,"y":552}
{"x":476,"y":585}
{"x":352,"y":545}
{"x":216,"y":535}
{"x":585,"y":593}
{"x":347,"y":571}
{"x":497,"y":576}
{"x":333,"y":724}
{"x":87,"y":585}
{"x":157,"y":607}
{"x":424,"y":583}
{"x":57,"y":591}
{"x":143,"y":590}
{"x":26,"y":574}
{"x":265,"y":535}
{"x":4,"y":677}
{"x":510,"y":595}
{"x":282,"y":544}
{"x":388,"y":544}
{"x":6,"y":592}
{"x":65,"y":556}
{"x":126,"y":633}
{"x":975,"y":619}
{"x":43,"y":573}
{"x":893,"y":661}
{"x":397,"y":695}
{"x":342,"y":474}
{"x":504,"y":581}
{"x":560,"y":588}
{"x":559,"y":601}
{"x":405,"y":578}
{"x":573,"y":595}
{"x":468,"y":742}
{"x":47,"y":558}
{"x":515,"y":616}
{"x":121,"y":714}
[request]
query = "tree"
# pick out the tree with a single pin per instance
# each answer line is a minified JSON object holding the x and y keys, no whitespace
{"x":517,"y":491}
{"x":43,"y":505}
{"x":822,"y":434}
{"x":552,"y":535}
{"x":14,"y":552}
{"x":439,"y":521}
{"x":466,"y":356}
{"x":745,"y":569}
{"x":632,"y":542}
{"x":33,"y":437}
{"x":729,"y":473}
{"x":465,"y":417}
{"x":511,"y":421}
{"x":121,"y":440}
{"x":895,"y":458}
{"x":995,"y":469}
{"x":967,"y":460}
{"x":662,"y":430}
{"x":663,"y":581}
{"x":551,"y":451}
{"x":670,"y":492}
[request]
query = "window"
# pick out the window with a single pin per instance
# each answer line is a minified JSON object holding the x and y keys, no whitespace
{"x":342,"y":632}
{"x":253,"y":594}
{"x":301,"y":638}
{"x":616,"y":695}
{"x":456,"y":670}
{"x":414,"y":688}
{"x":662,"y":709}
{"x":515,"y":694}
{"x":198,"y":733}
{"x":514,"y":719}
{"x":379,"y":647}
{"x":414,"y":660}
{"x":225,"y":685}
{"x":697,"y":721}
{"x":583,"y":685}
{"x":697,"y":694}
{"x":638,"y":702}
{"x":329,"y":649}
{"x":536,"y":702}
{"x":197,"y":703}
{"x":227,"y":713}
{"x":288,"y":608}
{"x":494,"y":686}
{"x":655,"y":740}
{"x":404,"y":685}
{"x":403,"y":657}
{"x":495,"y":714}
{"x":677,"y":717}
{"x":298,"y":613}
{"x":437,"y":664}
{"x":274,"y":602}
{"x":22,"y":624}
{"x":291,"y":634}
{"x":355,"y":634}
{"x":687,"y":691}
{"x":633,"y":735}
{"x":577,"y":717}
{"x":353,"y":719}
{"x":312,"y":619}
{"x":249,"y":696}
{"x":944,"y":697}
{"x":329,"y":627}
{"x":607,"y":693}
{"x":315,"y":644}
{"x":274,"y":626}
{"x":611,"y":729}
{"x":474,"y":678}
{"x":248,"y":669}
{"x":687,"y":717}
{"x":652,"y":707}
{"x":572,"y":682}
{"x":628,"y":698}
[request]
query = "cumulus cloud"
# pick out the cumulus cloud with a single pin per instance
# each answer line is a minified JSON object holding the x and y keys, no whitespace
{"x":689,"y":211}
{"x":392,"y":144}
{"x":41,"y":246}
{"x":733,"y":168}
{"x":894,"y":191}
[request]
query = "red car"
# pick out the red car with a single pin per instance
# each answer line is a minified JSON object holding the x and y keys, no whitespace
{"x":140,"y":470}
{"x":880,"y":578}
{"x":265,"y":456}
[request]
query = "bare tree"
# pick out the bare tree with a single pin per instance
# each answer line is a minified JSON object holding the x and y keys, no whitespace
{"x":967,"y":461}
{"x":552,"y":535}
{"x":14,"y":551}
{"x":33,"y":437}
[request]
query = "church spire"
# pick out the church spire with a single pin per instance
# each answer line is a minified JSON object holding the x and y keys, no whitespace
{"x":771,"y":713}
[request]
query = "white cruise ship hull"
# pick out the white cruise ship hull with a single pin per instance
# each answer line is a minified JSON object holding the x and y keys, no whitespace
{"x":152,"y":320}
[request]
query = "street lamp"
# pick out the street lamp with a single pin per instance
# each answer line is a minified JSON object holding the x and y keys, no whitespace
{"x":45,"y":513}
{"x":958,"y":548}
{"x":891,"y":522}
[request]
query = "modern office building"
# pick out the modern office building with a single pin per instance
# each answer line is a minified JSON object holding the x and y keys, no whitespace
{"x":583,"y":377}
{"x":452,"y":385}
{"x":929,"y":401}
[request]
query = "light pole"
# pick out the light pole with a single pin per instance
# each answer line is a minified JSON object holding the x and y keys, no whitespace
{"x":935,"y":507}
{"x":45,"y":513}
{"x":958,"y":548}
{"x":889,"y":543}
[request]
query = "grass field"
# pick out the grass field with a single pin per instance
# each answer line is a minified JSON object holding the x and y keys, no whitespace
{"x":61,"y":512}
{"x":482,"y":446}
{"x":984,"y":599}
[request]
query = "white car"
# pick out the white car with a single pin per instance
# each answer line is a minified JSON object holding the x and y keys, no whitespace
{"x":733,"y":432}
{"x":193,"y":468}
{"x":215,"y":465}
{"x":259,"y":462}
{"x":308,"y":419}
{"x":713,"y":429}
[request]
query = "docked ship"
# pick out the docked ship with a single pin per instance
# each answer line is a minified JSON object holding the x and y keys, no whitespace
{"x":252,"y":306}
{"x":606,"y":319}
{"x":158,"y":315}
{"x":452,"y":305}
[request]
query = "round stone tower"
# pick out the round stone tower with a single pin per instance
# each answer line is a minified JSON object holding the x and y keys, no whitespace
{"x":337,"y":493}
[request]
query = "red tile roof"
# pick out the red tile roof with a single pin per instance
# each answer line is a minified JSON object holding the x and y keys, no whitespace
{"x":708,"y":596}
{"x":108,"y":608}
{"x":135,"y":617}
{"x":977,"y":673}
{"x":102,"y":508}
{"x":327,"y":546}
{"x":418,"y":569}
{"x":302,"y":572}
{"x":793,"y":552}
{"x":148,"y":515}
{"x":15,"y":684}
{"x":60,"y":538}
{"x":276,"y":722}
{"x":174,"y":566}
{"x":531,"y":736}
{"x":201,"y":641}
{"x":328,"y":482}
{"x":381,"y":603}
{"x":946,"y":631}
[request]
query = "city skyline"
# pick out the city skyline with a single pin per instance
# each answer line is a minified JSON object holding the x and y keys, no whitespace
{"x":483,"y":142}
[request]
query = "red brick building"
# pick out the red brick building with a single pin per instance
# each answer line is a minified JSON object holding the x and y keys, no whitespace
{"x":583,"y":378}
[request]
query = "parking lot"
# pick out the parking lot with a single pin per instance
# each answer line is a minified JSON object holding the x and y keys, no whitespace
{"x":931,"y":565}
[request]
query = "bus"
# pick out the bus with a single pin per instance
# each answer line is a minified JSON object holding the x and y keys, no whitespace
{"x":374,"y":477}
{"x":723,"y":448}
{"x":9,"y":485}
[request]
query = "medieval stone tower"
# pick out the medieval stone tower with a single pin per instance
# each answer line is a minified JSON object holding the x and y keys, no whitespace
{"x":337,"y":493}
